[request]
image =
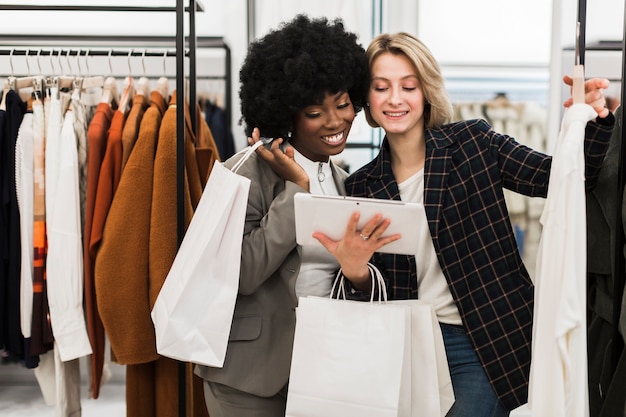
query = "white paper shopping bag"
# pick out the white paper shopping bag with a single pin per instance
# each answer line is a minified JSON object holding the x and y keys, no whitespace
{"x":350,"y":359}
{"x":193,"y":311}
{"x":431,"y":386}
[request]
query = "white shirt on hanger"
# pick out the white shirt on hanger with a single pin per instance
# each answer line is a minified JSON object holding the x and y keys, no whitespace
{"x":558,"y":372}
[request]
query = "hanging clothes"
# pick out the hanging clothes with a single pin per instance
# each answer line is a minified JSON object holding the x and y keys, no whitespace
{"x":132,"y":124}
{"x":41,"y":331}
{"x":207,"y":150}
{"x":10,"y":333}
{"x":24,"y":186}
{"x":84,"y":103}
{"x":96,"y":146}
{"x":64,"y":266}
{"x":607,"y":383}
{"x":601,"y":240}
{"x":121,"y":265}
{"x":137,"y":248}
{"x":25,"y":182}
{"x":70,"y":160}
{"x":216,"y":118}
{"x":558,"y":372}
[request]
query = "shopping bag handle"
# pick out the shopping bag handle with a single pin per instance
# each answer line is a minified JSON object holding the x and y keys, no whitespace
{"x":247,"y":152}
{"x":377,"y":280}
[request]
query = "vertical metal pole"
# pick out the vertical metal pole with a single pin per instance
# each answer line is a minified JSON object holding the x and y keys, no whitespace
{"x":619,"y":268}
{"x":228,"y":87}
{"x":193,"y":79}
{"x":251,"y":9}
{"x":582,"y":20}
{"x":180,"y":169}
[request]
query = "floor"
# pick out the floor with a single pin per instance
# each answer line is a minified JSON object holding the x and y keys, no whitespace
{"x":20,"y":395}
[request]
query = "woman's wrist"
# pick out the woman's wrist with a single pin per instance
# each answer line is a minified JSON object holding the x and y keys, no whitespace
{"x":360,"y":278}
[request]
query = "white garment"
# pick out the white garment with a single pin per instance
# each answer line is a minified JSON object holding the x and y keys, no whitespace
{"x":24,"y":187}
{"x":431,"y":282}
{"x":321,"y":179}
{"x":558,"y":372}
{"x":317,"y":266}
{"x":80,"y":130}
{"x":64,"y":263}
{"x":59,"y":382}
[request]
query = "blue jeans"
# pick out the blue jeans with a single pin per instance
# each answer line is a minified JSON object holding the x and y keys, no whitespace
{"x":474,"y":396}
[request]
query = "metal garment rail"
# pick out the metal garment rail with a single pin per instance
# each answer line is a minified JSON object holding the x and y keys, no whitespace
{"x":619,"y":266}
{"x":619,"y":272}
{"x":181,"y":43}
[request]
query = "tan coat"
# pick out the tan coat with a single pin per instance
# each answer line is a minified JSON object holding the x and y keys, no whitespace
{"x":121,"y":268}
{"x":138,"y":246}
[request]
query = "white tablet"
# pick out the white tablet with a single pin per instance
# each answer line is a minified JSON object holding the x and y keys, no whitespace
{"x":330,"y":215}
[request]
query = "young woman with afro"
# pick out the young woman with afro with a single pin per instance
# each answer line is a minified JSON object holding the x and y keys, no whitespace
{"x":301,"y":84}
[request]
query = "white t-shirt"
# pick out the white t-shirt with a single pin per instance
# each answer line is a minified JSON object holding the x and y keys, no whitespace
{"x":318,"y":266}
{"x":431,"y":283}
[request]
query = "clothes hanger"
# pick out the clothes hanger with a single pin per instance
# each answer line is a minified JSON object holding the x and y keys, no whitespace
{"x":110,"y":92}
{"x":9,"y":84}
{"x":163,"y":84}
{"x":52,"y":81}
{"x":27,"y":81}
{"x":65,"y":82}
{"x":3,"y":102}
{"x":91,"y":81}
{"x":128,"y":91}
{"x":25,"y":86}
{"x":143,"y":85}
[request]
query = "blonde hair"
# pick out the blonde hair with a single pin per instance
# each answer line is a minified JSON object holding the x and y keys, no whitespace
{"x":437,"y":108}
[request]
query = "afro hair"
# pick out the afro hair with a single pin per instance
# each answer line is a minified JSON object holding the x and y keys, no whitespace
{"x":294,"y":67}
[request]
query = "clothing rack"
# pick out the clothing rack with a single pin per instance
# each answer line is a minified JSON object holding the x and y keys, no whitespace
{"x":620,"y":263}
{"x":180,"y":42}
{"x":100,"y":46}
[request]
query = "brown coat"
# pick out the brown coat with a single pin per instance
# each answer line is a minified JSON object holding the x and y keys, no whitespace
{"x":96,"y":143}
{"x":132,"y":124}
{"x":121,"y":267}
{"x":138,"y":247}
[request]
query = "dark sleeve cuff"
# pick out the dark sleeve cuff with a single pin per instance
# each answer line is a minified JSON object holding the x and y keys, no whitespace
{"x":607,"y":121}
{"x":355,"y":294}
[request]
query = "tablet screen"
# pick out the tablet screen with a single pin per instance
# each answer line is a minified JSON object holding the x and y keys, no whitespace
{"x":330,"y":215}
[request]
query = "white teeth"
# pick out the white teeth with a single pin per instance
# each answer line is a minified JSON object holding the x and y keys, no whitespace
{"x":395,"y":114}
{"x":335,"y":138}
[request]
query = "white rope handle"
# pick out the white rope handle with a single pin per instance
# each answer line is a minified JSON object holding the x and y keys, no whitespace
{"x":248,"y":151}
{"x":377,"y":281}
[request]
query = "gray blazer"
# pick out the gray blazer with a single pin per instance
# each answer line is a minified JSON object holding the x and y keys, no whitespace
{"x":258,"y":357}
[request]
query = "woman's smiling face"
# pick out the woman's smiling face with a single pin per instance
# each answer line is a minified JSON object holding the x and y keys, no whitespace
{"x":321,"y":130}
{"x":395,"y":98}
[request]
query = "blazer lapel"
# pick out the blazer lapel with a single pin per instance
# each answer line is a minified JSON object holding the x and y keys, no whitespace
{"x":436,"y":170}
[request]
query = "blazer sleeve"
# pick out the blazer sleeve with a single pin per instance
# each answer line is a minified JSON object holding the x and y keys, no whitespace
{"x":269,"y":231}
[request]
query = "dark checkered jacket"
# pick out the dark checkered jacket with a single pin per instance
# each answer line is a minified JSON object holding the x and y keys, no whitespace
{"x":467,"y":167}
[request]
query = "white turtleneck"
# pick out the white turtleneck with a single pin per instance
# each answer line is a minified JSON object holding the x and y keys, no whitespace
{"x":318,"y":266}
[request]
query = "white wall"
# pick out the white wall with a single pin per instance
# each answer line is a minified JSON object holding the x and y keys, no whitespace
{"x":512,"y":32}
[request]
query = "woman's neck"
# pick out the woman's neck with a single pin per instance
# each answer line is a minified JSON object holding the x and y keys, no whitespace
{"x":408,"y":155}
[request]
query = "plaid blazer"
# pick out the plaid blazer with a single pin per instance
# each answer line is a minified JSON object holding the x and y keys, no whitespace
{"x":467,"y":166}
